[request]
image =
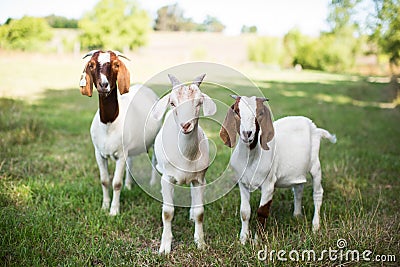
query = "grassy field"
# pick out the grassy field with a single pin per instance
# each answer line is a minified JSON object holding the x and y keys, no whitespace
{"x":50,"y":193}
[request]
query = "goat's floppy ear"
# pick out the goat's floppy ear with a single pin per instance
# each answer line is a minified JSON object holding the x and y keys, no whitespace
{"x":123,"y":78}
{"x":229,"y":128}
{"x":159,"y":107}
{"x":209,"y":107}
{"x":86,"y":82}
{"x":266,"y":125}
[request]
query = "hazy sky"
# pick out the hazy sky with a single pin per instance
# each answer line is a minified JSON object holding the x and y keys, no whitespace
{"x":271,"y":17}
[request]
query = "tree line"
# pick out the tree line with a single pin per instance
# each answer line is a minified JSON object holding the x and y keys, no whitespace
{"x":350,"y":36}
{"x":110,"y":24}
{"x":122,"y":25}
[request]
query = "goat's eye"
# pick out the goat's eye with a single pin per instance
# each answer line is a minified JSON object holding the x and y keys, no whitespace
{"x":172,"y":105}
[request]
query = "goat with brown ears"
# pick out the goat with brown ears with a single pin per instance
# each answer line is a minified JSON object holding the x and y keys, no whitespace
{"x":272,"y":154}
{"x":121,"y":127}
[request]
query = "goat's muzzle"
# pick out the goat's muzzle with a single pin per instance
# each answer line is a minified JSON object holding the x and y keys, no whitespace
{"x":247,"y":136}
{"x":187,"y":127}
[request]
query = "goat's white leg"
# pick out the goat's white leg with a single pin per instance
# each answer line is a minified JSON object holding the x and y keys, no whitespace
{"x":128,"y":177}
{"x":297,"y":195}
{"x":153,"y":179}
{"x":317,"y":193}
{"x":105,"y":179}
{"x":117,"y":185}
{"x":167,"y":191}
{"x":245,"y":211}
{"x":197,"y":212}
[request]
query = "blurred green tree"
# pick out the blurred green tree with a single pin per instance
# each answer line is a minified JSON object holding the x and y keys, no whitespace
{"x":115,"y":24}
{"x":27,"y":34}
{"x":292,"y":41}
{"x":211,"y":24}
{"x":342,"y":15}
{"x":170,"y":18}
{"x":249,"y":29}
{"x":267,"y":50}
{"x":386,"y":28}
{"x":61,"y":22}
{"x":335,"y":50}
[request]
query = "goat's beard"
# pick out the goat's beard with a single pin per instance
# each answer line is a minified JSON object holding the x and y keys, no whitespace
{"x":105,"y":94}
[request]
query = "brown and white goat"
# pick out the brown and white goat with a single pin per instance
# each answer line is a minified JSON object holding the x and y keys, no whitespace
{"x":121,"y":127}
{"x":270,"y":155}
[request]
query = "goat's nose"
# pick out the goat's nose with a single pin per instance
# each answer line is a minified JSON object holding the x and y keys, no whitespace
{"x":185,"y":126}
{"x":104,"y":84}
{"x":247,"y":133}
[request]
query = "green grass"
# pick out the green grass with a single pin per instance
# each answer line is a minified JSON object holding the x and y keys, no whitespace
{"x":50,"y":193}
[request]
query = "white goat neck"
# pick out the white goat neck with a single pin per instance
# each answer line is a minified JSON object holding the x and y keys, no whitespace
{"x":188,"y":144}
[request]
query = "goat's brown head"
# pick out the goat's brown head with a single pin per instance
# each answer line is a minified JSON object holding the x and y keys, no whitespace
{"x":104,"y":70}
{"x":246,"y":117}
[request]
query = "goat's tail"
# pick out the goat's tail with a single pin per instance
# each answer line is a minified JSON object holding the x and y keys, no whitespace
{"x":325,"y":134}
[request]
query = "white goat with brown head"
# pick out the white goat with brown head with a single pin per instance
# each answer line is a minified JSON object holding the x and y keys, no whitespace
{"x":182,"y":152}
{"x":270,"y":155}
{"x":121,"y":128}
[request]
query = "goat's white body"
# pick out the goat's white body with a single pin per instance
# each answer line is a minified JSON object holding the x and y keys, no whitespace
{"x":181,"y":156}
{"x":292,"y":155}
{"x":130,"y":134}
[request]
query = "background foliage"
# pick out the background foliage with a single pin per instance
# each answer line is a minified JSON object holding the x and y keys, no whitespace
{"x":61,"y":22}
{"x":122,"y":25}
{"x":27,"y":34}
{"x":115,"y":24}
{"x":387,"y":28}
{"x":171,"y":18}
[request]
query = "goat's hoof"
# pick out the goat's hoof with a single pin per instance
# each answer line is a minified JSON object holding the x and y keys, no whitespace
{"x":128,"y":186}
{"x":256,"y":240}
{"x":201,"y":244}
{"x":297,"y":215}
{"x":315,"y":228}
{"x":243,"y":240}
{"x":114,"y":211}
{"x":164,"y":249}
{"x":105,"y":205}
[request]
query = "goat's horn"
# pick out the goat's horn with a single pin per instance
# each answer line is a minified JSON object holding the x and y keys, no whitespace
{"x":174,"y":80}
{"x":90,"y":53}
{"x":197,"y":81}
{"x":263,"y":99}
{"x":119,"y":54}
{"x":235,"y":96}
